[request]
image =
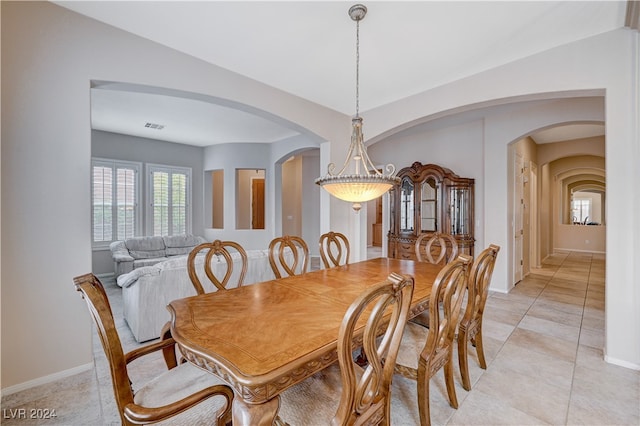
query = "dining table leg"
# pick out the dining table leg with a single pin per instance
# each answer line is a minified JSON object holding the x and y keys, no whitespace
{"x":255,"y":414}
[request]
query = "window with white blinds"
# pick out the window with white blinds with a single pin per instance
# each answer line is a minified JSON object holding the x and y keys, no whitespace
{"x":115,"y":213}
{"x":169,"y":200}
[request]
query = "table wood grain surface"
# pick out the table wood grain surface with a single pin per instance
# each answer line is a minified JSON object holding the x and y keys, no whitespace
{"x":265,"y":337}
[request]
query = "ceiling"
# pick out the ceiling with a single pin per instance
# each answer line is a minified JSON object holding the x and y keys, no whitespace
{"x":307,"y":48}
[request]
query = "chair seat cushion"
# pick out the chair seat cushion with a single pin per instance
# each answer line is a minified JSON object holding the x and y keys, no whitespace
{"x":413,"y":340}
{"x":180,"y":382}
{"x":314,"y":400}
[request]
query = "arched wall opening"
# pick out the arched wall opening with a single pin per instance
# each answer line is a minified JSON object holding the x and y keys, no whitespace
{"x":475,"y":143}
{"x":565,"y":174}
{"x":297,"y":197}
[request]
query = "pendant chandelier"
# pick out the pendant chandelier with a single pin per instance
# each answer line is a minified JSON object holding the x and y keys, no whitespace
{"x":358,"y":180}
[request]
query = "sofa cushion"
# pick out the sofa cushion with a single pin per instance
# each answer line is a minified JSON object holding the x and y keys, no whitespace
{"x":139,"y":263}
{"x":146,"y":247}
{"x":180,"y":244}
{"x":119,"y":252}
{"x":125,"y":280}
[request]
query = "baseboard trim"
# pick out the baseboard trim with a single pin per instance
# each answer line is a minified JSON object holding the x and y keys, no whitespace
{"x":46,"y":379}
{"x":580,"y":251}
{"x":621,"y":363}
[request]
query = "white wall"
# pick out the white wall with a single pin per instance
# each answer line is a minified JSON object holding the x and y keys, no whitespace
{"x":581,"y":238}
{"x":292,"y":197}
{"x":606,"y":65}
{"x":311,"y":201}
{"x":50,"y":55}
{"x":457,"y":147}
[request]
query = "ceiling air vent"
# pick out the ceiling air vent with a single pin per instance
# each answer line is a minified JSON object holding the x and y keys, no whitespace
{"x":154,"y":126}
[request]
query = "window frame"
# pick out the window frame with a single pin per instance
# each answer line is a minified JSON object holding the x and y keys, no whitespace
{"x":114,"y":165}
{"x":581,"y":204}
{"x":152,"y":168}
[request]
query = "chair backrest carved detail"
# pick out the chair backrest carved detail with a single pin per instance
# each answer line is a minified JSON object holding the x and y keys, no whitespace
{"x":334,"y":249}
{"x":470,"y":328}
{"x":278,"y":255}
{"x":444,"y":246}
{"x":445,"y":305}
{"x":94,"y":294}
{"x":220,"y":249}
{"x":366,"y":394}
{"x":478,"y":286}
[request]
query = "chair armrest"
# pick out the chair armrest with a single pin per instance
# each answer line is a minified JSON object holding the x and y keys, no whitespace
{"x":169,"y":353}
{"x":146,"y":350}
{"x":143,"y":415}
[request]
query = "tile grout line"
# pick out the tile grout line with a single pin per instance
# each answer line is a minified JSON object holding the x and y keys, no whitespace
{"x":566,"y":416}
{"x":575,"y":362}
{"x":548,"y":281}
{"x":519,"y":321}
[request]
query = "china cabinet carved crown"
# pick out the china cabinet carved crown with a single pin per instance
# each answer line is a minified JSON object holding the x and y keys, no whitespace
{"x":429,"y":199}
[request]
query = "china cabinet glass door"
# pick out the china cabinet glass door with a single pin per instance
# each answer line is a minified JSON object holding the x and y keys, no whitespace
{"x":406,"y":206}
{"x":429,"y":206}
{"x":459,"y":203}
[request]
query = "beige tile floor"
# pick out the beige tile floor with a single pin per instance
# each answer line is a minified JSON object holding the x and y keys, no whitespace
{"x":543,"y":343}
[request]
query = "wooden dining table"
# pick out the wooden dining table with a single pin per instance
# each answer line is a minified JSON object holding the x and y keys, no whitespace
{"x":266,"y":337}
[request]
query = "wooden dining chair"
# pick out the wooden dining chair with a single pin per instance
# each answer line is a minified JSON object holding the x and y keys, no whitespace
{"x":289,"y":255}
{"x":334,"y":249}
{"x":185,"y":390}
{"x":443,"y":246}
{"x":470,"y":327}
{"x":347,"y":394}
{"x":425,"y":350}
{"x":224,"y":252}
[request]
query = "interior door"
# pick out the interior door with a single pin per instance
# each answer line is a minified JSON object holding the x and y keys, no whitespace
{"x":518,"y":212}
{"x":257,"y":204}
{"x":534,"y":255}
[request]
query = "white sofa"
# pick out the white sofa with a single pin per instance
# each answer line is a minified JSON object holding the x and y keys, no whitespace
{"x":138,"y":252}
{"x":147,"y":290}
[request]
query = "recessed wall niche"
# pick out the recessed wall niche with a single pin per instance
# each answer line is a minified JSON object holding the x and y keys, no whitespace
{"x":214,"y":206}
{"x":250,"y":189}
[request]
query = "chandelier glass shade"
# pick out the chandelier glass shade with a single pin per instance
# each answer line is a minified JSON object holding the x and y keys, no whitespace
{"x":359,"y":180}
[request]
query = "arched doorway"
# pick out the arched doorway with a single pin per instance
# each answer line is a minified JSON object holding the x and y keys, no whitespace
{"x":544,"y":176}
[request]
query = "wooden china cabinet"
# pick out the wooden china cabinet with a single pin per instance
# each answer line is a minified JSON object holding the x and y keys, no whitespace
{"x":430,"y":199}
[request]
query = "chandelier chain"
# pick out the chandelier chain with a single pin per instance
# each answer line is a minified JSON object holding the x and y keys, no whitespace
{"x":358,"y":68}
{"x":359,"y":179}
